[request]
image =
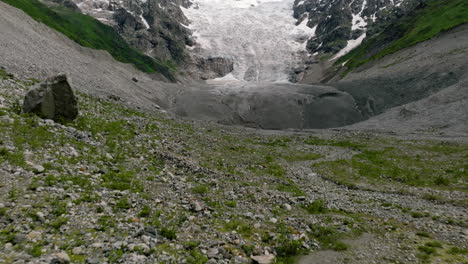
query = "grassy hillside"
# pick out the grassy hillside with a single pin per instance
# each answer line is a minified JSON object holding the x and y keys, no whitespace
{"x":424,"y":23}
{"x":90,"y":33}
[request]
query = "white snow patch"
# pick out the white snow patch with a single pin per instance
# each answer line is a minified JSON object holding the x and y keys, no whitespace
{"x":145,"y":22}
{"x":227,"y":78}
{"x":358,"y":21}
{"x":353,"y":43}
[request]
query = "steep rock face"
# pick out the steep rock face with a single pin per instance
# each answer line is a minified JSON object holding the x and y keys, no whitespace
{"x":343,"y":24}
{"x":152,"y":26}
{"x":158,"y":29}
{"x":213,"y":67}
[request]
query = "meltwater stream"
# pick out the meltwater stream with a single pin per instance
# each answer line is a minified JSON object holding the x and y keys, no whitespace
{"x":260,"y":36}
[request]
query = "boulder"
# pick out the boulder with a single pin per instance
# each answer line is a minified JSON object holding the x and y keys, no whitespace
{"x":52,"y":99}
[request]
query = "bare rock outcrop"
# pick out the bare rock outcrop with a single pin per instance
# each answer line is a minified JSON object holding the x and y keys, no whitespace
{"x":52,"y":99}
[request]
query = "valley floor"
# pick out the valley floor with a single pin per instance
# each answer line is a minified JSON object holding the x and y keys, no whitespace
{"x":123,"y":186}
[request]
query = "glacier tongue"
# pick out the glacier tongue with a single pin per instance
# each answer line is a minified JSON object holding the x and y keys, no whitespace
{"x":260,"y":36}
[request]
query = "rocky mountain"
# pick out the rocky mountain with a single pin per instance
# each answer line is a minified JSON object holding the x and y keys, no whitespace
{"x":341,"y":25}
{"x":158,"y":29}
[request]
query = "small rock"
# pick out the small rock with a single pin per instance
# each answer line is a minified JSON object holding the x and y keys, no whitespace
{"x":212,"y":252}
{"x":92,"y":261}
{"x":98,"y":245}
{"x":273,"y":220}
{"x":60,"y":258}
{"x":77,"y":251}
{"x":8,"y":246}
{"x":265,"y":259}
{"x":38,"y":169}
{"x":34,"y":235}
{"x":40,"y":215}
{"x":18,"y":239}
{"x":196,"y":206}
{"x":287,"y":207}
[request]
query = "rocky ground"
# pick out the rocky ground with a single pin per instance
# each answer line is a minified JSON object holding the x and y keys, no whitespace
{"x":123,"y":186}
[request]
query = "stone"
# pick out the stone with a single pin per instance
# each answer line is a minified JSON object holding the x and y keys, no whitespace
{"x":60,"y":258}
{"x":34,"y":235}
{"x":212,"y":253}
{"x":38,"y":169}
{"x":196,"y":206}
{"x":40,"y":215}
{"x":97,"y":245}
{"x":92,"y":261}
{"x":77,"y":250}
{"x":52,"y":99}
{"x":287,"y":207}
{"x":18,"y":239}
{"x":265,"y":259}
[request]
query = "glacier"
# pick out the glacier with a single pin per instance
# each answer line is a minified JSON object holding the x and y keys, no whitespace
{"x":260,"y":36}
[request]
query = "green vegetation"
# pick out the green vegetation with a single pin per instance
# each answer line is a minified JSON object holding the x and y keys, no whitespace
{"x":239,"y":226}
{"x":91,"y":33}
{"x":429,"y":164}
{"x":145,"y":211}
{"x":335,"y":143}
{"x":59,"y":222}
{"x":200,"y":189}
{"x":196,"y":257}
{"x":458,"y":251}
{"x":122,"y":204}
{"x":328,"y":237}
{"x":423,"y":24}
{"x":317,"y":207}
{"x":123,"y":180}
{"x":168,"y":233}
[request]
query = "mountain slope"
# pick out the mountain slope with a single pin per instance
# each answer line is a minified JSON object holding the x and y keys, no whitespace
{"x":423,"y":23}
{"x":91,"y":33}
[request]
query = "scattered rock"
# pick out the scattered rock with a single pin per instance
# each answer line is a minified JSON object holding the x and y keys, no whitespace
{"x":77,"y":251}
{"x":196,"y":206}
{"x":60,"y":258}
{"x":265,"y":259}
{"x":34,"y":235}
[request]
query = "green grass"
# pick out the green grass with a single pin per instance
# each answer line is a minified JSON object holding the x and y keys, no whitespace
{"x":458,"y":251}
{"x":317,"y":207}
{"x":168,"y":233}
{"x":145,"y":211}
{"x":122,"y":180}
{"x":335,"y":143}
{"x":91,"y":33}
{"x":201,"y":189}
{"x":438,"y":165}
{"x":438,"y":16}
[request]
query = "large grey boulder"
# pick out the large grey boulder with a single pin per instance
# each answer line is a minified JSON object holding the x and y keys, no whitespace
{"x":52,"y":99}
